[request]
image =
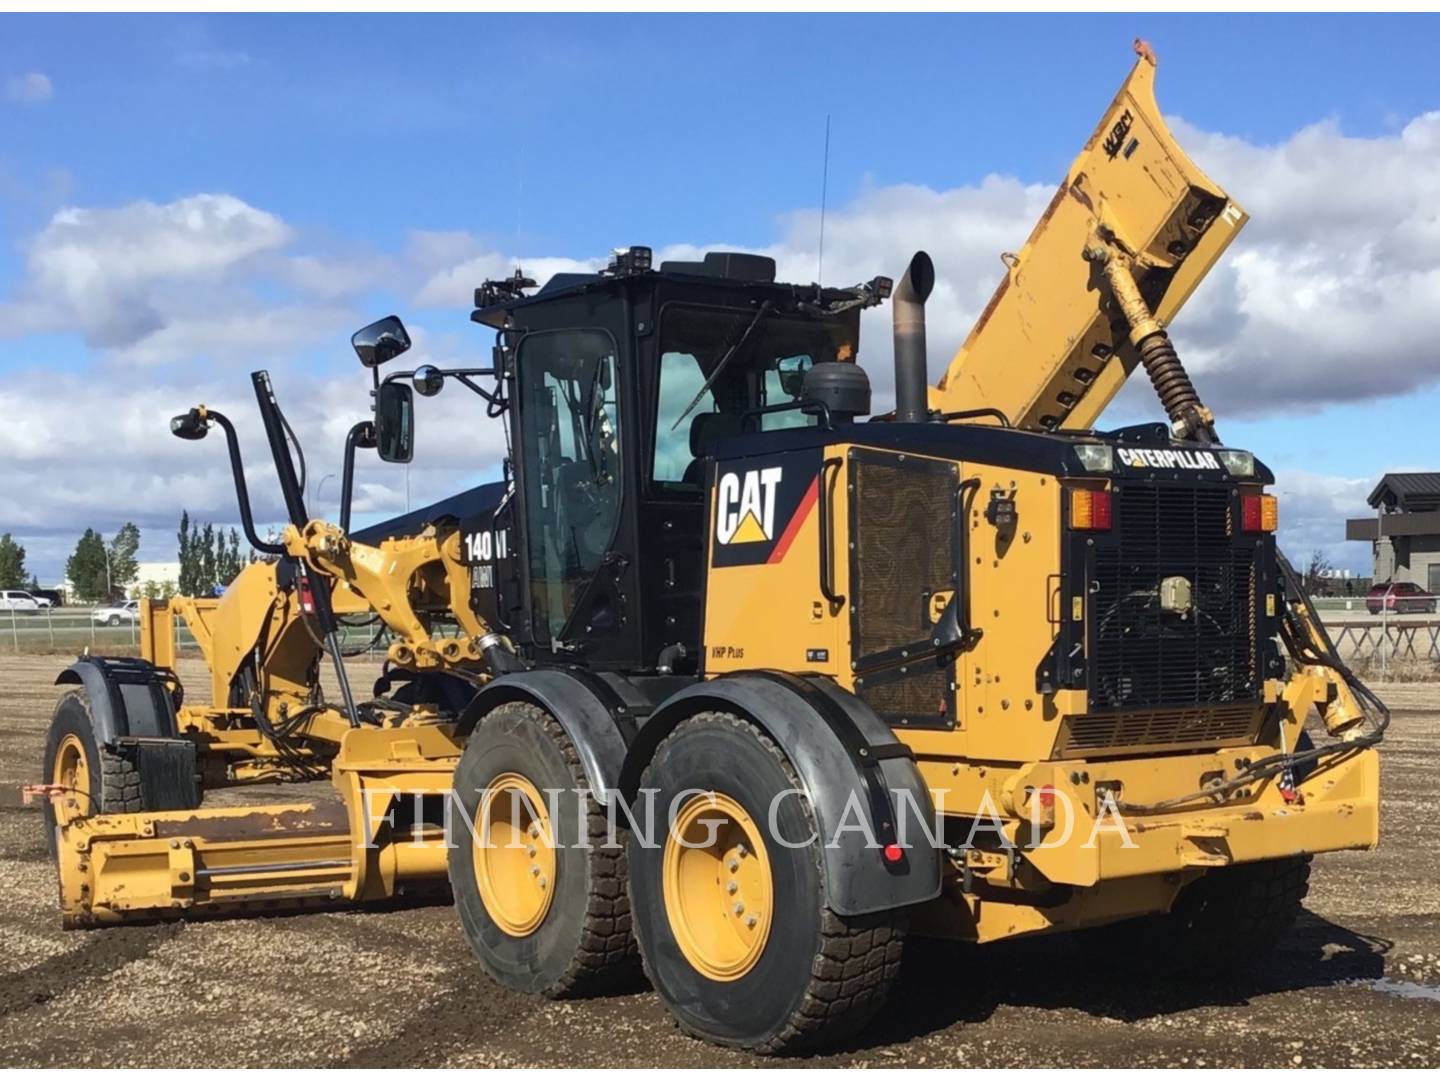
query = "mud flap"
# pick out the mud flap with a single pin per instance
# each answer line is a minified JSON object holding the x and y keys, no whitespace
{"x":167,"y":771}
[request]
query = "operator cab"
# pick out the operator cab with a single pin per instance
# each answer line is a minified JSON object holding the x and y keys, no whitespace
{"x":621,"y":384}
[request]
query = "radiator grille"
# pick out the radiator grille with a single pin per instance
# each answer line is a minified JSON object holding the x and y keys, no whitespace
{"x":903,"y":528}
{"x":1145,"y":658}
{"x":1171,"y":728}
{"x":921,"y":696}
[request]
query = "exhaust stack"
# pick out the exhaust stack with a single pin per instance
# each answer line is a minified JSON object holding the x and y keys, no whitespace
{"x":912,"y":402}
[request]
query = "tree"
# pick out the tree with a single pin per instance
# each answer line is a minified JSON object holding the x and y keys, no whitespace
{"x":12,"y":563}
{"x":87,"y":568}
{"x":1317,"y":573}
{"x":208,"y":557}
{"x":186,"y":536}
{"x":123,"y":567}
{"x":207,"y":560}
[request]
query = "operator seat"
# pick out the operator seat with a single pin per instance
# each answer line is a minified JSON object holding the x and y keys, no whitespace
{"x":706,"y":430}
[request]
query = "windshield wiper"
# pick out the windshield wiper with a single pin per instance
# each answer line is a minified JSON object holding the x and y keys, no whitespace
{"x":765,"y":309}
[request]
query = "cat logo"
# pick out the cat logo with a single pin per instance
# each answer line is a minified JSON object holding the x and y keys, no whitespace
{"x":745,"y":506}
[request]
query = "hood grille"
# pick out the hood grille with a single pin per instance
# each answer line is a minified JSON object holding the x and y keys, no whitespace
{"x":1144,"y":657}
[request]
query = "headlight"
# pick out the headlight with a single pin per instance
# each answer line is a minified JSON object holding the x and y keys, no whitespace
{"x":1096,"y":457}
{"x":1237,"y":462}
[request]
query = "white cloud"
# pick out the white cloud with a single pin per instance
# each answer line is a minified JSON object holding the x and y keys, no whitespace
{"x":29,"y":89}
{"x":116,"y":275}
{"x":1331,"y":294}
{"x":1313,"y":509}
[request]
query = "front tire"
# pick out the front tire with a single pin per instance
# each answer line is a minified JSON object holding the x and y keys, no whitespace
{"x":541,"y":898}
{"x":734,"y":924}
{"x":98,"y":781}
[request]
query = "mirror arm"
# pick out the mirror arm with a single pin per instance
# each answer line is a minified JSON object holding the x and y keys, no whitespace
{"x":362,"y":434}
{"x":242,"y":494}
{"x":491,"y":396}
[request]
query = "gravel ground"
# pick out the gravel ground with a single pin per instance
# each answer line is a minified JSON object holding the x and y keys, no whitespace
{"x":1356,"y":983}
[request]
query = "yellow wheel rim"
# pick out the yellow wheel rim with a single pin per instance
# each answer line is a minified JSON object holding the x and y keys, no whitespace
{"x":718,"y":891}
{"x":514,"y":855}
{"x":72,"y":771}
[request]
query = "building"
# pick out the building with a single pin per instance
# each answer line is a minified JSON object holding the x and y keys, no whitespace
{"x":161,"y":577}
{"x":1404,"y":533}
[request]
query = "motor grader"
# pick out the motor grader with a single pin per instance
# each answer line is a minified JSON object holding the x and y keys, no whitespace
{"x":970,"y":669}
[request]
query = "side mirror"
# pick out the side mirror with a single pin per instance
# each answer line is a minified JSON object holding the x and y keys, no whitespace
{"x":381,"y":341}
{"x":189,"y":426}
{"x":395,"y":422}
{"x":428,"y":380}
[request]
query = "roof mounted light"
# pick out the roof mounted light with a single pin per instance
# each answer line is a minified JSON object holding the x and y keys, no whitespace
{"x":627,"y":261}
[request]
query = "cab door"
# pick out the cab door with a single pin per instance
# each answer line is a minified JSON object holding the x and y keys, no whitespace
{"x":571,"y":482}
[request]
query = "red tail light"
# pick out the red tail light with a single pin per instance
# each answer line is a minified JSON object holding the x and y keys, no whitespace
{"x":1258,"y":513}
{"x":307,"y":598}
{"x":1090,"y":510}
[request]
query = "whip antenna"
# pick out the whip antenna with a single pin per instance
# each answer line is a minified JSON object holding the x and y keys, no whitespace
{"x":824,"y":190}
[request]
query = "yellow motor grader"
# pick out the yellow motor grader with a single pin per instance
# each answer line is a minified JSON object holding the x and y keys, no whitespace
{"x":754,"y":686}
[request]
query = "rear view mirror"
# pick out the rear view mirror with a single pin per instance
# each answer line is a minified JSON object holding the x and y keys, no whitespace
{"x":395,"y":422}
{"x":381,"y":341}
{"x":428,"y":380}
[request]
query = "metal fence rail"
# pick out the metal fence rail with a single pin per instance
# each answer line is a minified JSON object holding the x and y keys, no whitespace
{"x":1398,"y":638}
{"x":75,"y":629}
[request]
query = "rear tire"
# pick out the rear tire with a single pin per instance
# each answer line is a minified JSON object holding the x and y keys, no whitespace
{"x":576,"y":940}
{"x":817,"y":976}
{"x":1219,"y":925}
{"x":114,"y":620}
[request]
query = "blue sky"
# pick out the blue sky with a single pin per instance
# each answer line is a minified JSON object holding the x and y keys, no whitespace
{"x":372,"y":163}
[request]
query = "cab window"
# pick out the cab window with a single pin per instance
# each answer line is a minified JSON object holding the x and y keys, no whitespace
{"x":717,"y":367}
{"x":570,"y":441}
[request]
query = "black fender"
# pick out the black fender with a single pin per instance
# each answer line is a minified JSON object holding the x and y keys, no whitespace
{"x":129,"y":698}
{"x":591,"y":712}
{"x":842,"y":753}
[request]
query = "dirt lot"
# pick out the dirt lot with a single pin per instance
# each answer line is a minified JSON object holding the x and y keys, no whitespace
{"x":1357,"y":983}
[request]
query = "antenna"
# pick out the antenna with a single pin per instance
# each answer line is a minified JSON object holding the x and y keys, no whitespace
{"x":519,"y":199}
{"x":824,"y":191}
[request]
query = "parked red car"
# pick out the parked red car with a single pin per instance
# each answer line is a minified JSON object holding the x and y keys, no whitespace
{"x":1399,"y":597}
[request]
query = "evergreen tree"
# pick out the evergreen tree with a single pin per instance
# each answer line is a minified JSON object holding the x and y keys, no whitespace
{"x":12,"y":563}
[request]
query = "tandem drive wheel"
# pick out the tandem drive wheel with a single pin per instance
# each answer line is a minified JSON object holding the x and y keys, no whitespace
{"x":734,"y":924}
{"x":541,"y":898}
